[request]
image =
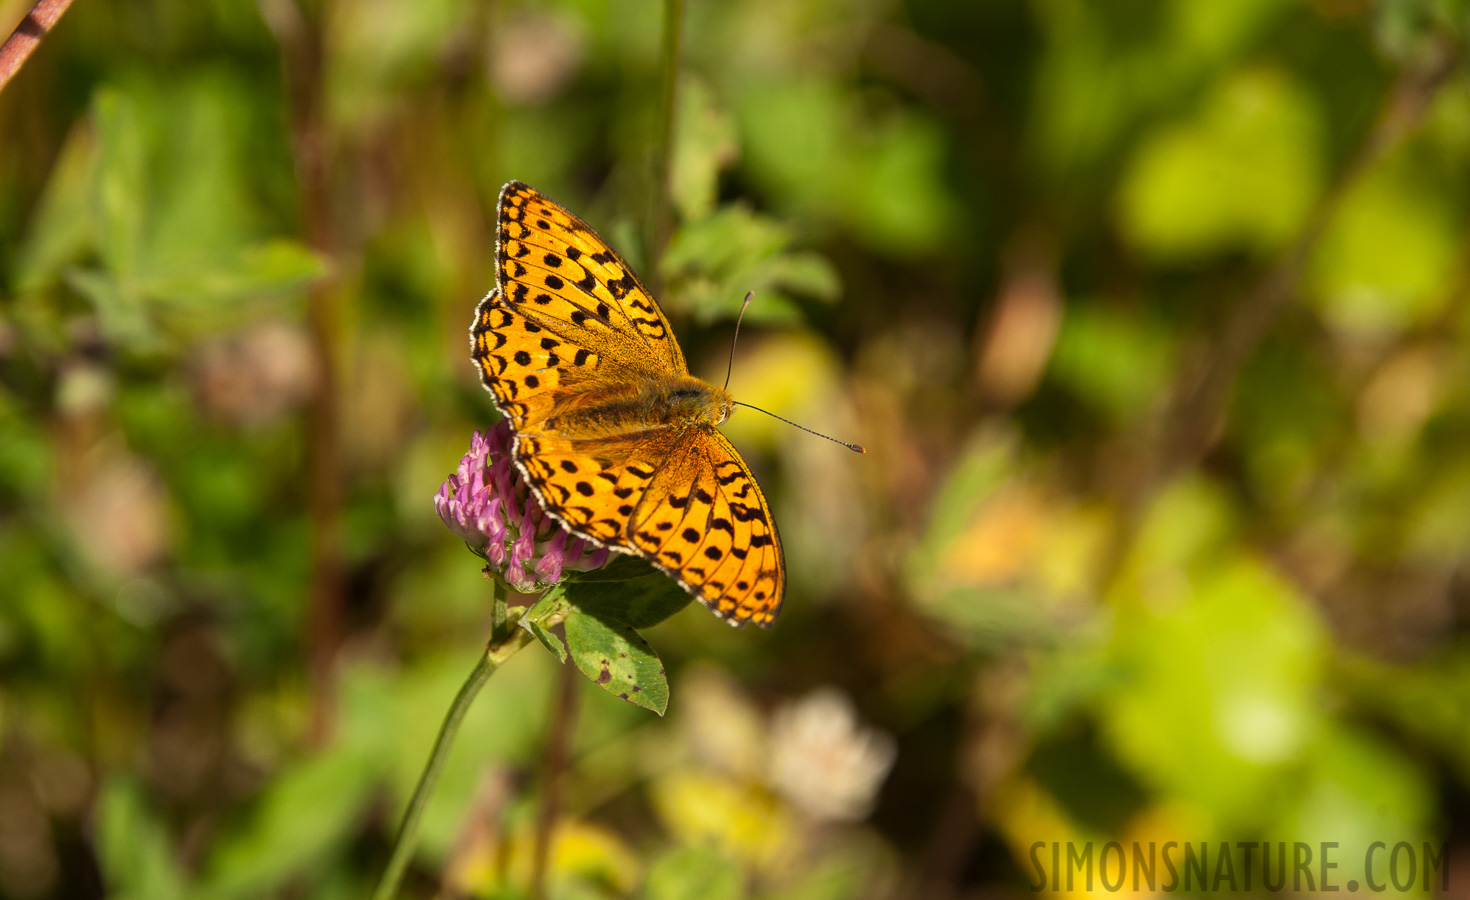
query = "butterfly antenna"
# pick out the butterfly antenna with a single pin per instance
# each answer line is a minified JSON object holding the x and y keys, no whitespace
{"x":749,"y":296}
{"x":856,"y":448}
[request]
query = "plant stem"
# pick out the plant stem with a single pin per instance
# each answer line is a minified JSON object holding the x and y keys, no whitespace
{"x":27,"y":36}
{"x":494,"y":656}
{"x":558,"y":747}
{"x":302,"y":40}
{"x":669,"y":69}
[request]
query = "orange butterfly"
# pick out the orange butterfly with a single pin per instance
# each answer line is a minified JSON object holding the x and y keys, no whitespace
{"x":615,"y":437}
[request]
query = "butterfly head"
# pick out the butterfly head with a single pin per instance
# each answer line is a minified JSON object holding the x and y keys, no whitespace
{"x":690,"y":400}
{"x":726,"y":406}
{"x":719,"y":404}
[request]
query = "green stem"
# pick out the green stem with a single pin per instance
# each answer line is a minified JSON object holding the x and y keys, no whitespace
{"x":669,"y":69}
{"x":553,"y":772}
{"x":494,"y":656}
{"x":499,"y":617}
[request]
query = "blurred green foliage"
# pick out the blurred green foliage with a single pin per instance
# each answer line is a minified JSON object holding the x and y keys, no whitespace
{"x":1001,"y":244}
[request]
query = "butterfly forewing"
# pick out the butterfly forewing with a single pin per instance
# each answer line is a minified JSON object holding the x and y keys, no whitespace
{"x":569,"y":326}
{"x":524,"y":364}
{"x":557,"y":268}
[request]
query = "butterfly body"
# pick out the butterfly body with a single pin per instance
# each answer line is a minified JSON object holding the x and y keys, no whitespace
{"x":614,"y":436}
{"x":658,"y":402}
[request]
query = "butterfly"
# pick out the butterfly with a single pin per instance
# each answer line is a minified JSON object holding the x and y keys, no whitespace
{"x":614,"y":436}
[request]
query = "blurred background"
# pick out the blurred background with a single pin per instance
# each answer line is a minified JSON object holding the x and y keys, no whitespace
{"x":1152,"y":315}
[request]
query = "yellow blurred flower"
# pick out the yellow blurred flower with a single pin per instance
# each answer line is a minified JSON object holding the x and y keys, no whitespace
{"x":744,"y":821}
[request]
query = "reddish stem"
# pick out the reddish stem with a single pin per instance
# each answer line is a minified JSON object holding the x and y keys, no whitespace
{"x":553,"y":775}
{"x":303,"y":59}
{"x":27,"y":36}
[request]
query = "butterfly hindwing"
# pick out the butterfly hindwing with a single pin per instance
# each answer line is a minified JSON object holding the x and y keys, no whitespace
{"x":704,"y":520}
{"x":592,"y":489}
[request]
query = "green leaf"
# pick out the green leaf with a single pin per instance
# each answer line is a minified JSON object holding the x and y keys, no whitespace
{"x":712,"y":263}
{"x":621,"y":567}
{"x":134,"y":849}
{"x":1412,"y":31}
{"x":547,"y":607}
{"x":1108,"y":68}
{"x":1390,"y":255}
{"x":199,"y":211}
{"x":734,"y":239}
{"x":806,"y":274}
{"x":618,"y":660}
{"x":121,"y":188}
{"x":894,"y":200}
{"x":1241,"y":174}
{"x":639,"y":603}
{"x":278,"y":264}
{"x":307,"y":813}
{"x":694,"y":873}
{"x":1114,"y":360}
{"x":704,"y":145}
{"x":256,"y":271}
{"x":160,"y":193}
{"x":1354,"y":787}
{"x":876,"y":173}
{"x":549,"y":640}
{"x":61,"y":229}
{"x":982,"y":470}
{"x":26,"y":457}
{"x":120,"y":312}
{"x":1221,"y":705}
